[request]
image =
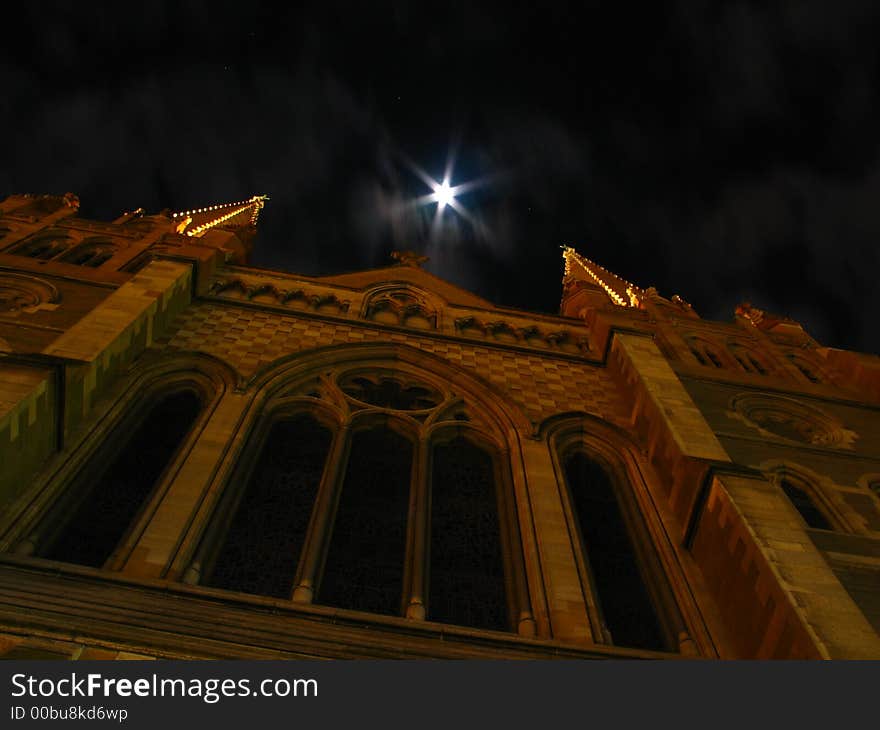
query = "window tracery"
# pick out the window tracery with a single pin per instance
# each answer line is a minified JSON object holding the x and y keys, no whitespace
{"x":389,"y":391}
{"x":363,"y":548}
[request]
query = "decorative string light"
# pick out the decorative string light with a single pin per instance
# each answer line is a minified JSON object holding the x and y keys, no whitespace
{"x":256,"y":203}
{"x":632,"y":291}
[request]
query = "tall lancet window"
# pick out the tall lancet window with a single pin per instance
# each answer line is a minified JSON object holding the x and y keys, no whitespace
{"x":466,"y":566}
{"x":262,"y":545}
{"x":365,"y":560}
{"x":107,"y":496}
{"x":627,"y":610}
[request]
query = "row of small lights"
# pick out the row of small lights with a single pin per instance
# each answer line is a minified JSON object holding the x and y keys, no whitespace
{"x":258,"y":201}
{"x":216,"y":221}
{"x":568,"y":251}
{"x":209,"y":208}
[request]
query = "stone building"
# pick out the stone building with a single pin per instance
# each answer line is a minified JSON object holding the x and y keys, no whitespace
{"x":203,"y":459}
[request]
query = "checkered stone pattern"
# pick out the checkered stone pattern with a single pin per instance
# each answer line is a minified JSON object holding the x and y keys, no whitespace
{"x":541,"y":385}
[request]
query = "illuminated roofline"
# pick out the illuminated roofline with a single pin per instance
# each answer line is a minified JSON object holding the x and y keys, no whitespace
{"x":632,"y":292}
{"x":256,"y":203}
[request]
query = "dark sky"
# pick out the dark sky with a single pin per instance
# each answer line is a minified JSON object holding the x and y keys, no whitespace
{"x":724,"y":152}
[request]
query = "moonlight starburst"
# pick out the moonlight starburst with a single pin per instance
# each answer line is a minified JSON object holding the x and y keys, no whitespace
{"x":444,"y":193}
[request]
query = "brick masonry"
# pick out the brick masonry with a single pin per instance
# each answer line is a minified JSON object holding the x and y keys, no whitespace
{"x":250,"y":339}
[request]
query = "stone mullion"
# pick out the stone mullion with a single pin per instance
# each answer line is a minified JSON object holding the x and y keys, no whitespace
{"x":416,"y":573}
{"x":321,"y":525}
{"x":525,"y":623}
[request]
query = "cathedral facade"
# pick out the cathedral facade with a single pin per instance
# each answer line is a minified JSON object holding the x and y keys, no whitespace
{"x":202,"y":459}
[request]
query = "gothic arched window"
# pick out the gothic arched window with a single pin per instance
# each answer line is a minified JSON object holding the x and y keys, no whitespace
{"x":467,"y":566}
{"x":616,"y":572}
{"x":267,"y":529}
{"x":394,"y":510}
{"x":97,"y":510}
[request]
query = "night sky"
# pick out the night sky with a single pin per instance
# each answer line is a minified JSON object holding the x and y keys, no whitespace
{"x":721,"y":152}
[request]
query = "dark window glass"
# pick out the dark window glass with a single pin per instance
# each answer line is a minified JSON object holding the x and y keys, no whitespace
{"x":109,"y":500}
{"x":714,"y":358}
{"x":626,"y":606}
{"x":696,"y":353}
{"x":364,"y":568}
{"x":467,"y":570}
{"x":261,"y":550}
{"x":804,"y":505}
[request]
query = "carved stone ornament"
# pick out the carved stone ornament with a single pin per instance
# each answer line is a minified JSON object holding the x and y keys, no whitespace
{"x":387,"y":390}
{"x":778,"y":417}
{"x":19,"y":293}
